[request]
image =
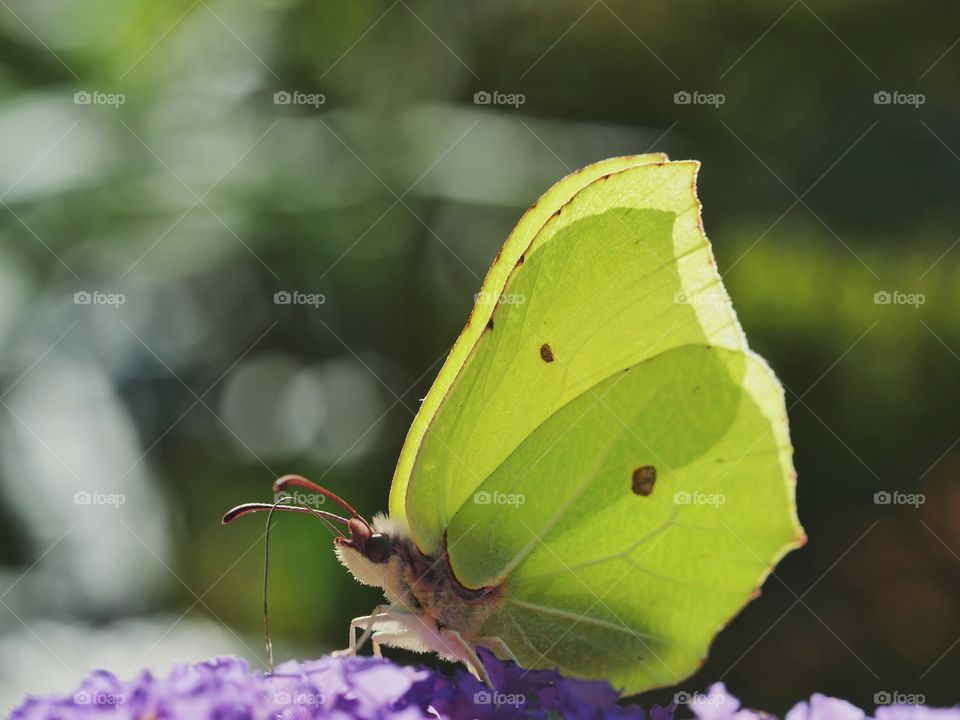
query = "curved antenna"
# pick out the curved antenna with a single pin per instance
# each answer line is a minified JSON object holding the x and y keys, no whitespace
{"x":248,"y":508}
{"x":266,"y":578}
{"x":299,"y":481}
{"x":271,"y":508}
{"x":278,"y":505}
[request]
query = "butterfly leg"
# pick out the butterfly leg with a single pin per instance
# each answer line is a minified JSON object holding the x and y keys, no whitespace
{"x":465,"y":652}
{"x":409,"y":631}
{"x":404,"y":639}
{"x":498,"y":646}
{"x":379,"y":615}
{"x":375,"y":641}
{"x":420,"y":633}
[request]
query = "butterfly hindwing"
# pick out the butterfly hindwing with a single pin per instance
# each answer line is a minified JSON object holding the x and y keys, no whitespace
{"x":608,"y":582}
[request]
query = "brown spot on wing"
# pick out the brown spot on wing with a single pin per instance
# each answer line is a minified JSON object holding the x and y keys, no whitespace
{"x":643,"y":479}
{"x":546,"y":353}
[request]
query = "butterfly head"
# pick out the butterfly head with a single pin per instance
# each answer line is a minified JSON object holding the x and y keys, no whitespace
{"x":367,"y":540}
{"x":372,"y":551}
{"x":376,"y":554}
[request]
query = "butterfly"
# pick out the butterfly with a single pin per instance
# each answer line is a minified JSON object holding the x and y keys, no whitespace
{"x":600,"y":476}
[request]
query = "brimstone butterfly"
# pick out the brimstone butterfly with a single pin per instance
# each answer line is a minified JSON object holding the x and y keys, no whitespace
{"x":600,"y":477}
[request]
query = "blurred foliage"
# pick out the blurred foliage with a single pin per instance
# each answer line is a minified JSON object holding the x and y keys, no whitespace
{"x":199,"y":197}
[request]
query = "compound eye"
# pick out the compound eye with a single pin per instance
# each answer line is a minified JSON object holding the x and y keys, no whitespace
{"x":376,"y":548}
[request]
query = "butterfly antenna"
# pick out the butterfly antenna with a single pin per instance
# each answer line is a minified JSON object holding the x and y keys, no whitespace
{"x":266,"y":585}
{"x":299,"y":481}
{"x":327,"y":518}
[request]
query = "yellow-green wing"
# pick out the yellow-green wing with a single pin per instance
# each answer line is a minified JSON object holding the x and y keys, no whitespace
{"x":637,"y":520}
{"x":610,"y":268}
{"x":487,"y":300}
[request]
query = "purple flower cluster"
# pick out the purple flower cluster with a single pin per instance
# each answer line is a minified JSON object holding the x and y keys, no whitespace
{"x":332,"y":687}
{"x":718,"y":704}
{"x":360,"y":687}
{"x":523,"y":693}
{"x":226,"y":689}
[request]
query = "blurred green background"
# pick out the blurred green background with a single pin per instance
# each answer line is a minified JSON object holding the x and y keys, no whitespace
{"x":147,"y":157}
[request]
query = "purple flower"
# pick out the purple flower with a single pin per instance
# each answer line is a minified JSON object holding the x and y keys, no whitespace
{"x":718,"y":704}
{"x":916,"y":712}
{"x":519,"y":693}
{"x":332,"y":687}
{"x":225,"y":689}
{"x":822,"y":707}
{"x":715,"y":704}
{"x":344,"y":688}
